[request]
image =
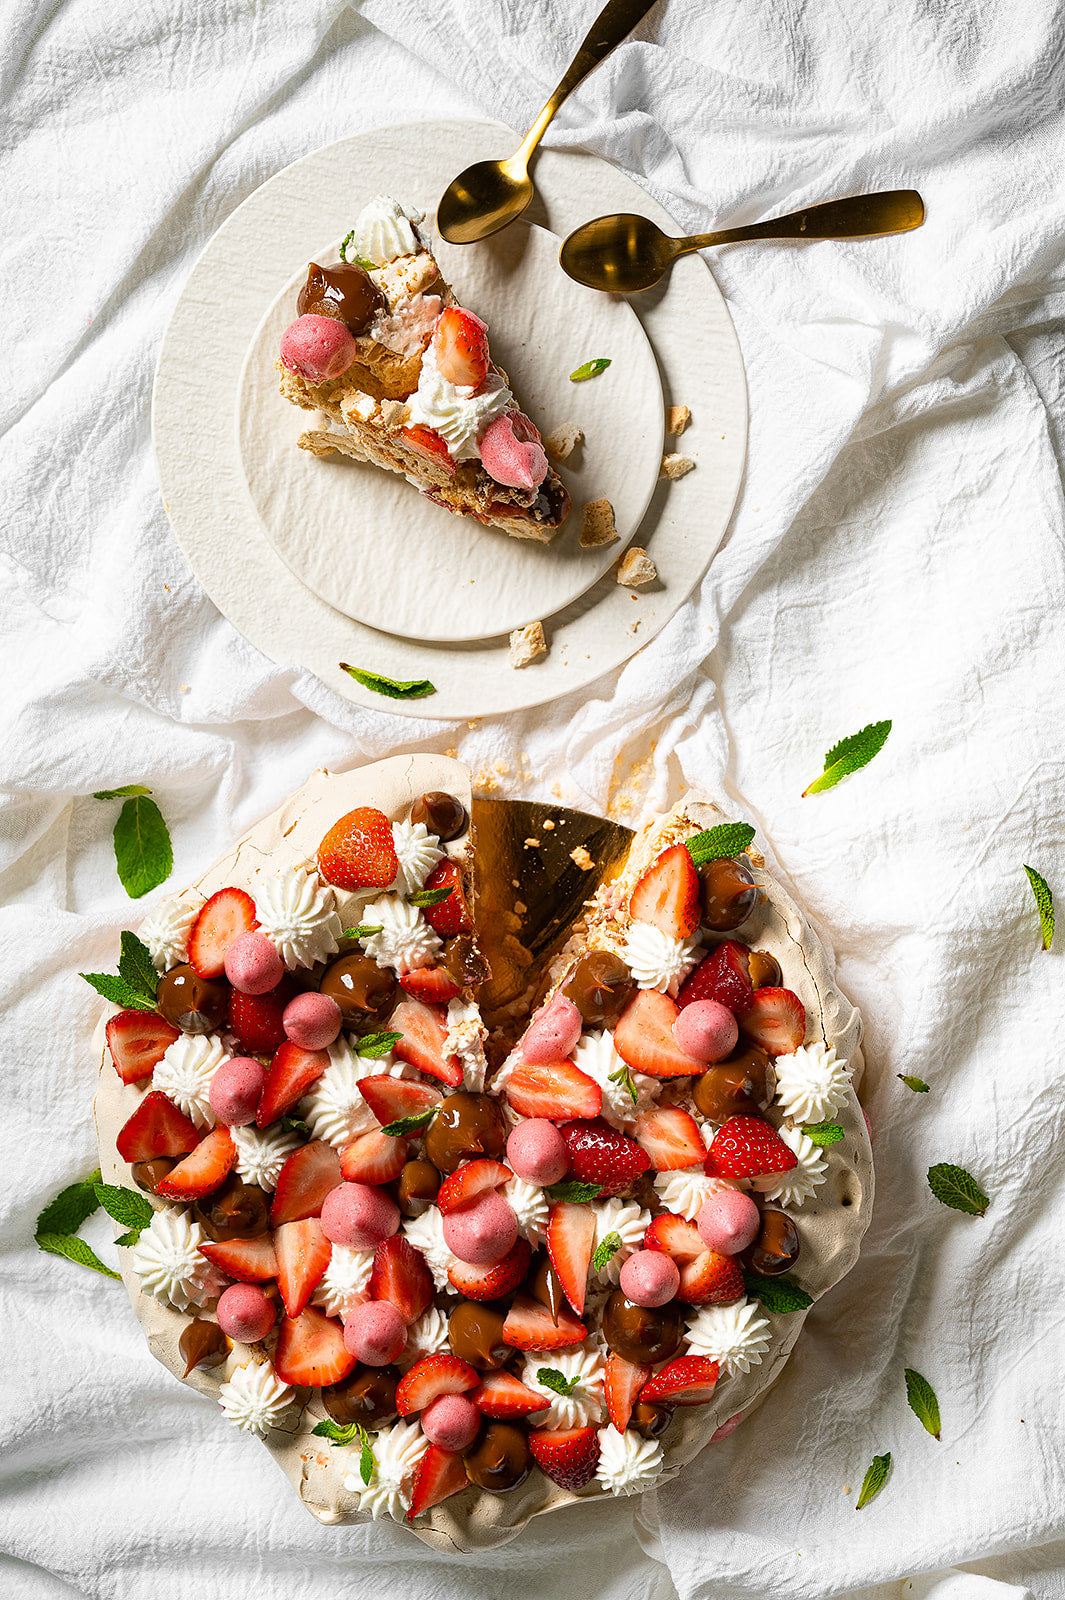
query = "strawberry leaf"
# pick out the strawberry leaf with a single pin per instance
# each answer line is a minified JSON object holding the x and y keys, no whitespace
{"x":135,"y":964}
{"x":74,"y":1249}
{"x":623,"y":1076}
{"x":143,"y":853}
{"x":726,"y":840}
{"x":849,"y":755}
{"x":411,"y":1124}
{"x":570,"y":1189}
{"x":394,"y":688}
{"x":955,"y":1187}
{"x":824,"y":1133}
{"x":1045,"y":902}
{"x":777,"y":1294}
{"x":589,"y":369}
{"x":376,"y":1045}
{"x":126,"y":792}
{"x":918,"y":1085}
{"x":118,"y":991}
{"x":606,"y":1251}
{"x":69,"y":1209}
{"x":923,"y":1402}
{"x":551,"y":1379}
{"x":126,"y":1206}
{"x":874,"y":1480}
{"x":430,"y":897}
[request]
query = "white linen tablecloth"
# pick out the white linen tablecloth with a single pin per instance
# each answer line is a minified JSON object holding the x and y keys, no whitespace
{"x":897,"y":552}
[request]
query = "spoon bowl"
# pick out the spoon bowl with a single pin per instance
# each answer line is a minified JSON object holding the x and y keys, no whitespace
{"x":482,"y":200}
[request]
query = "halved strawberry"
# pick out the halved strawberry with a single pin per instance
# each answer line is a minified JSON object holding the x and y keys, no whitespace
{"x":400,"y":1275}
{"x":290,"y":1075}
{"x":201,"y":1172}
{"x":623,"y":1382}
{"x":501,"y":1396}
{"x":557,"y":1090}
{"x":439,"y":1474}
{"x":451,"y":915}
{"x":671,"y":1138}
{"x":309,"y":1174}
{"x":246,"y":1260}
{"x":531,"y":1326}
{"x":747,"y":1147}
{"x":310,"y":1350}
{"x":568,"y":1456}
{"x":224,"y":917}
{"x":644,"y":1038}
{"x":470,"y":1182}
{"x":600,"y":1154}
{"x":675,"y":1237}
{"x":303,"y":1253}
{"x":723,"y":976}
{"x":711,"y":1279}
{"x":667,"y":895}
{"x":392,"y":1098}
{"x":156,"y":1128}
{"x":429,"y":444}
{"x":460,"y":344}
{"x":256,"y":1018}
{"x":137,"y":1042}
{"x":423,"y":1034}
{"x":491,"y":1283}
{"x":775,"y":1019}
{"x":434,"y":985}
{"x":373,"y":1157}
{"x":358,"y":851}
{"x":685,"y":1381}
{"x":431,"y":1376}
{"x":570,"y":1243}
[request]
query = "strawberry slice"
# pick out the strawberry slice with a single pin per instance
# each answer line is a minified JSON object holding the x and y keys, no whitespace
{"x":309,"y":1174}
{"x":439,"y":1474}
{"x":401,"y":1276}
{"x":392,"y":1098}
{"x":623,"y":1382}
{"x":137,"y":1042}
{"x":432,"y":984}
{"x":531,"y":1326}
{"x":685,"y":1381}
{"x":470,"y":1182}
{"x":224,"y":917}
{"x":423,"y":1031}
{"x":358,"y":851}
{"x":246,"y":1260}
{"x":723,"y":976}
{"x":310,"y":1350}
{"x":434,"y":1375}
{"x":570,"y":1243}
{"x":460,"y":345}
{"x":568,"y":1456}
{"x":667,"y":895}
{"x":747,"y":1147}
{"x":201,"y":1172}
{"x":502,"y":1396}
{"x":671,"y":1138}
{"x":303,"y":1253}
{"x":600,"y":1154}
{"x":711,"y":1279}
{"x":452,"y":914}
{"x":156,"y":1128}
{"x":431,"y":446}
{"x":776,"y":1020}
{"x":373,"y":1157}
{"x":491,"y":1283}
{"x":675,"y":1237}
{"x":290,"y":1075}
{"x":256,"y":1018}
{"x":644,"y":1038}
{"x":555,"y":1089}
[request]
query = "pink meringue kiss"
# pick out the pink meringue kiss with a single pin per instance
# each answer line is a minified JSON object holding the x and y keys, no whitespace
{"x":245,"y":1313}
{"x":451,"y":1421}
{"x":375,"y":1333}
{"x":706,"y":1030}
{"x":311,"y":1020}
{"x":236,"y":1090}
{"x":482,"y":1233}
{"x":650,"y":1278}
{"x":553,"y":1032}
{"x":511,"y":452}
{"x":359,"y":1216}
{"x":728,"y":1222}
{"x":318,"y":348}
{"x":537,"y":1152}
{"x":252,"y":964}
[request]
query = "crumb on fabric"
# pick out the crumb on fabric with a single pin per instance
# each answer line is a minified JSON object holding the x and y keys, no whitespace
{"x":677,"y":419}
{"x":486,"y":781}
{"x":560,"y":444}
{"x":676,"y":466}
{"x":636,"y":568}
{"x":599,"y":525}
{"x":527,"y":644}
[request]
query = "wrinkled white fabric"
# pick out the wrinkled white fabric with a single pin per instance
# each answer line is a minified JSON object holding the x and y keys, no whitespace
{"x":896,"y":552}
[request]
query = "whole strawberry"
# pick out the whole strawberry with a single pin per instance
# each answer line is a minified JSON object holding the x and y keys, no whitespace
{"x":747,"y":1147}
{"x":358,"y":852}
{"x":600,"y":1154}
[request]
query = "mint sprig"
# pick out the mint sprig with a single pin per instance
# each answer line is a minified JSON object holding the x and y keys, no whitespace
{"x":550,"y":1378}
{"x":922,"y":1401}
{"x":569,"y":1189}
{"x":364,"y":931}
{"x":623,"y":1076}
{"x":874,"y":1480}
{"x":1045,"y":904}
{"x":714,"y":844}
{"x":57,"y":1225}
{"x":118,"y":991}
{"x":350,"y":1434}
{"x":918,"y":1085}
{"x":954,"y":1187}
{"x":133,"y":1210}
{"x":824,"y":1133}
{"x":589,"y":369}
{"x":144,"y":855}
{"x":777,"y":1294}
{"x":134,"y":987}
{"x":411,"y":1124}
{"x":849,"y":755}
{"x":430,"y":897}
{"x":394,"y":688}
{"x":606,"y":1251}
{"x":376,"y":1045}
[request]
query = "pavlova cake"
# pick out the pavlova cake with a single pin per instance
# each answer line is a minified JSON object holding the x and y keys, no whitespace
{"x":456,"y":1269}
{"x":401,"y":376}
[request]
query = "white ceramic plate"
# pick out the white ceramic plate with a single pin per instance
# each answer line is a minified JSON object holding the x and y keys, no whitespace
{"x":380,"y":552}
{"x":229,"y":292}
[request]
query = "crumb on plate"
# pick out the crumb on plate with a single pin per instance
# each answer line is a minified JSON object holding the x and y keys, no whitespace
{"x":676,"y":466}
{"x":527,"y":644}
{"x":677,"y":419}
{"x":636,"y":568}
{"x":598,"y":524}
{"x":560,"y":444}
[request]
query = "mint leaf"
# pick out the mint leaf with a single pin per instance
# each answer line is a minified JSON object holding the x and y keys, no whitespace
{"x":366,"y":1460}
{"x":726,"y":840}
{"x":623,"y":1076}
{"x":74,"y":1249}
{"x":395,"y":688}
{"x":923,"y":1402}
{"x":118,"y":991}
{"x":129,"y":1238}
{"x":363,"y":931}
{"x":955,"y":1187}
{"x":590,"y":369}
{"x":143,"y":853}
{"x":823,"y":1133}
{"x":296,"y":1125}
{"x":130,"y":789}
{"x":133,"y":1210}
{"x":1045,"y":902}
{"x":375,"y":1045}
{"x":606,"y":1251}
{"x":136,"y":966}
{"x":430,"y":897}
{"x":412,"y":1124}
{"x":777,"y":1294}
{"x":570,"y":1189}
{"x":336,"y":1434}
{"x":69,"y":1209}
{"x":850,"y":755}
{"x":552,"y":1379}
{"x":874,"y":1480}
{"x":344,"y":256}
{"x":918,"y":1085}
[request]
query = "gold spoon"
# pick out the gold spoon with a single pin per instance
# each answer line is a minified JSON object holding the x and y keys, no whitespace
{"x":490,"y":194}
{"x":626,"y":253}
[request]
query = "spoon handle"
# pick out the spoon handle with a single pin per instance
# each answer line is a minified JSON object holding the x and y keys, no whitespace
{"x":861,"y":217}
{"x":616,"y":20}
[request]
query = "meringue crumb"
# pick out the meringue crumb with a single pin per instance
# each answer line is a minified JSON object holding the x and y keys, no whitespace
{"x":527,"y":644}
{"x":184,"y":687}
{"x":846,"y":1488}
{"x":548,"y":824}
{"x":677,"y":419}
{"x":452,"y":755}
{"x":582,"y":858}
{"x":502,"y":768}
{"x":598,"y":524}
{"x":486,"y":781}
{"x":675,"y":466}
{"x":532,"y":844}
{"x":561,"y":444}
{"x":636,"y":568}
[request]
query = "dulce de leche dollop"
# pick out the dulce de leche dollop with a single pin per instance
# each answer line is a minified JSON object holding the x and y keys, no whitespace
{"x":344,"y":291}
{"x":467,"y":1125}
{"x":642,"y":1334}
{"x":500,"y":1458}
{"x":475,"y":1333}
